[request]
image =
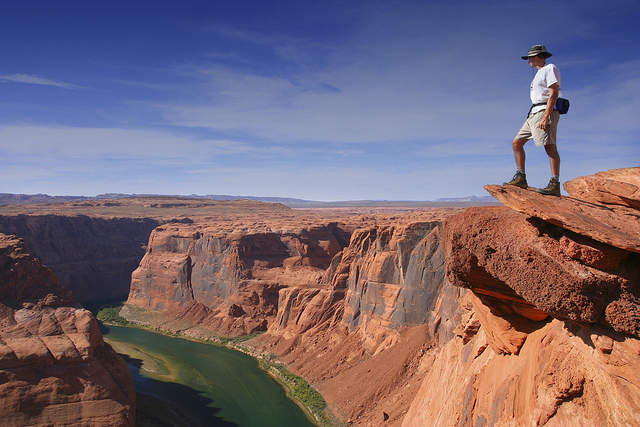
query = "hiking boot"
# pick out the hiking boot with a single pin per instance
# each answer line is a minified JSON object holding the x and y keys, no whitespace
{"x":519,"y":180}
{"x":552,"y":189}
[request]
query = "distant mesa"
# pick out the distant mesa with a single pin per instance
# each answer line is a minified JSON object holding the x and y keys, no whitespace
{"x":27,"y":199}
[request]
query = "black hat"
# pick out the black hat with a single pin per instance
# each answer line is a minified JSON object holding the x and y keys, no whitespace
{"x":537,"y":49}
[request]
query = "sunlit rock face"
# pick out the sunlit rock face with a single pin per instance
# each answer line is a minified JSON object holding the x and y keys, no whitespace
{"x":228,"y":282}
{"x":532,"y":264}
{"x":55,"y":368}
{"x":615,"y":187}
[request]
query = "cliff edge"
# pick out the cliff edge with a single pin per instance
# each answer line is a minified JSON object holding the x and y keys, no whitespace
{"x":549,"y":332}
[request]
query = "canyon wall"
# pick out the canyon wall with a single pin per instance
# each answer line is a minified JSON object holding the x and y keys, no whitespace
{"x":527,"y":314}
{"x":55,"y":368}
{"x":227,"y":282}
{"x":93,"y":257}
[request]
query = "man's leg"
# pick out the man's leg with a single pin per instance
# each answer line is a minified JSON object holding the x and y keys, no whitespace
{"x":554,"y":159}
{"x":553,"y":188}
{"x":520,"y":178}
{"x":518,"y":152}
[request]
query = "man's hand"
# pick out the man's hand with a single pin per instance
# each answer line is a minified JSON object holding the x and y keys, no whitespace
{"x":544,"y":123}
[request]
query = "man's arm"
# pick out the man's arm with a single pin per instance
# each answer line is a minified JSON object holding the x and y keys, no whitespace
{"x":554,"y":90}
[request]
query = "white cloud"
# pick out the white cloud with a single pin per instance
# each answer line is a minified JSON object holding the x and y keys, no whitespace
{"x":76,"y":142}
{"x":399,"y":76}
{"x":406,"y":78}
{"x":36,"y":80}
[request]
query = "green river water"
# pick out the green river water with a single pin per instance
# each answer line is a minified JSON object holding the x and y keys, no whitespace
{"x":205,"y":384}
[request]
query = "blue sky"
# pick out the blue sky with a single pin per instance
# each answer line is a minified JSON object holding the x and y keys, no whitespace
{"x":318,"y":100}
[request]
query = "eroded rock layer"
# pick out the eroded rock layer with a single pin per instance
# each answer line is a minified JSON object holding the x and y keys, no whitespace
{"x":564,"y":374}
{"x":55,"y":368}
{"x":614,"y":225}
{"x":228,"y":282}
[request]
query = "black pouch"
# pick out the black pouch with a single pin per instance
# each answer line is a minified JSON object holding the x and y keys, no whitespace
{"x":562,"y":105}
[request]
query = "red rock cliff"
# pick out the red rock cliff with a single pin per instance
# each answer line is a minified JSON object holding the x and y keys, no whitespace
{"x":55,"y":368}
{"x":549,"y":332}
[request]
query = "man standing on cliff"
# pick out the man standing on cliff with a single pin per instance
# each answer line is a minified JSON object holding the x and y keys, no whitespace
{"x":542,"y":121}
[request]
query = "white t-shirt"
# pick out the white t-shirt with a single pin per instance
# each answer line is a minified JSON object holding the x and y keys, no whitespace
{"x":545,"y":77}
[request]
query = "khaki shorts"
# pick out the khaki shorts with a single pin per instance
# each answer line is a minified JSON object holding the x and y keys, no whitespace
{"x":531,"y":130}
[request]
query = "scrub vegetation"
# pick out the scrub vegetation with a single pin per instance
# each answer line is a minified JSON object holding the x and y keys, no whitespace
{"x":236,"y":340}
{"x":301,"y":391}
{"x":111,"y":315}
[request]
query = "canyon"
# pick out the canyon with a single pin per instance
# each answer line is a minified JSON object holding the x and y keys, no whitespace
{"x":93,"y":246}
{"x":522,"y":314}
{"x":526,"y":314}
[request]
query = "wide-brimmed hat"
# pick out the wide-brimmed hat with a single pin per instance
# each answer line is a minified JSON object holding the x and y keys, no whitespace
{"x":537,"y":49}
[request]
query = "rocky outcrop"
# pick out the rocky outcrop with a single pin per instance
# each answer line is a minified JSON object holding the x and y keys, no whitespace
{"x":539,"y":269}
{"x":93,"y":257}
{"x":564,"y":374}
{"x":55,"y":368}
{"x":614,"y":225}
{"x":549,"y":333}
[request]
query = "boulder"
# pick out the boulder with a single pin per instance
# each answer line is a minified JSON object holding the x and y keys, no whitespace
{"x":612,"y":187}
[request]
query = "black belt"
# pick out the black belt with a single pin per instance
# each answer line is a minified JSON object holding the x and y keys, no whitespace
{"x":535,"y":105}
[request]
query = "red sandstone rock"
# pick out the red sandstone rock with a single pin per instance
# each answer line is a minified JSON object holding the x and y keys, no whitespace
{"x":394,"y":278}
{"x":614,"y":225}
{"x":556,"y":379}
{"x":612,"y":187}
{"x":395,"y":274}
{"x":500,"y":253}
{"x":225,"y":281}
{"x":55,"y":368}
{"x":301,"y":309}
{"x":505,"y":332}
{"x":193,"y":273}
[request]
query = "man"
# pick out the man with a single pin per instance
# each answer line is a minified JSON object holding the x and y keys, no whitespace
{"x":542,"y":121}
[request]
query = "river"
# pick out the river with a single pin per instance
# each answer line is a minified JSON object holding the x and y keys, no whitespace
{"x":206,"y":385}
